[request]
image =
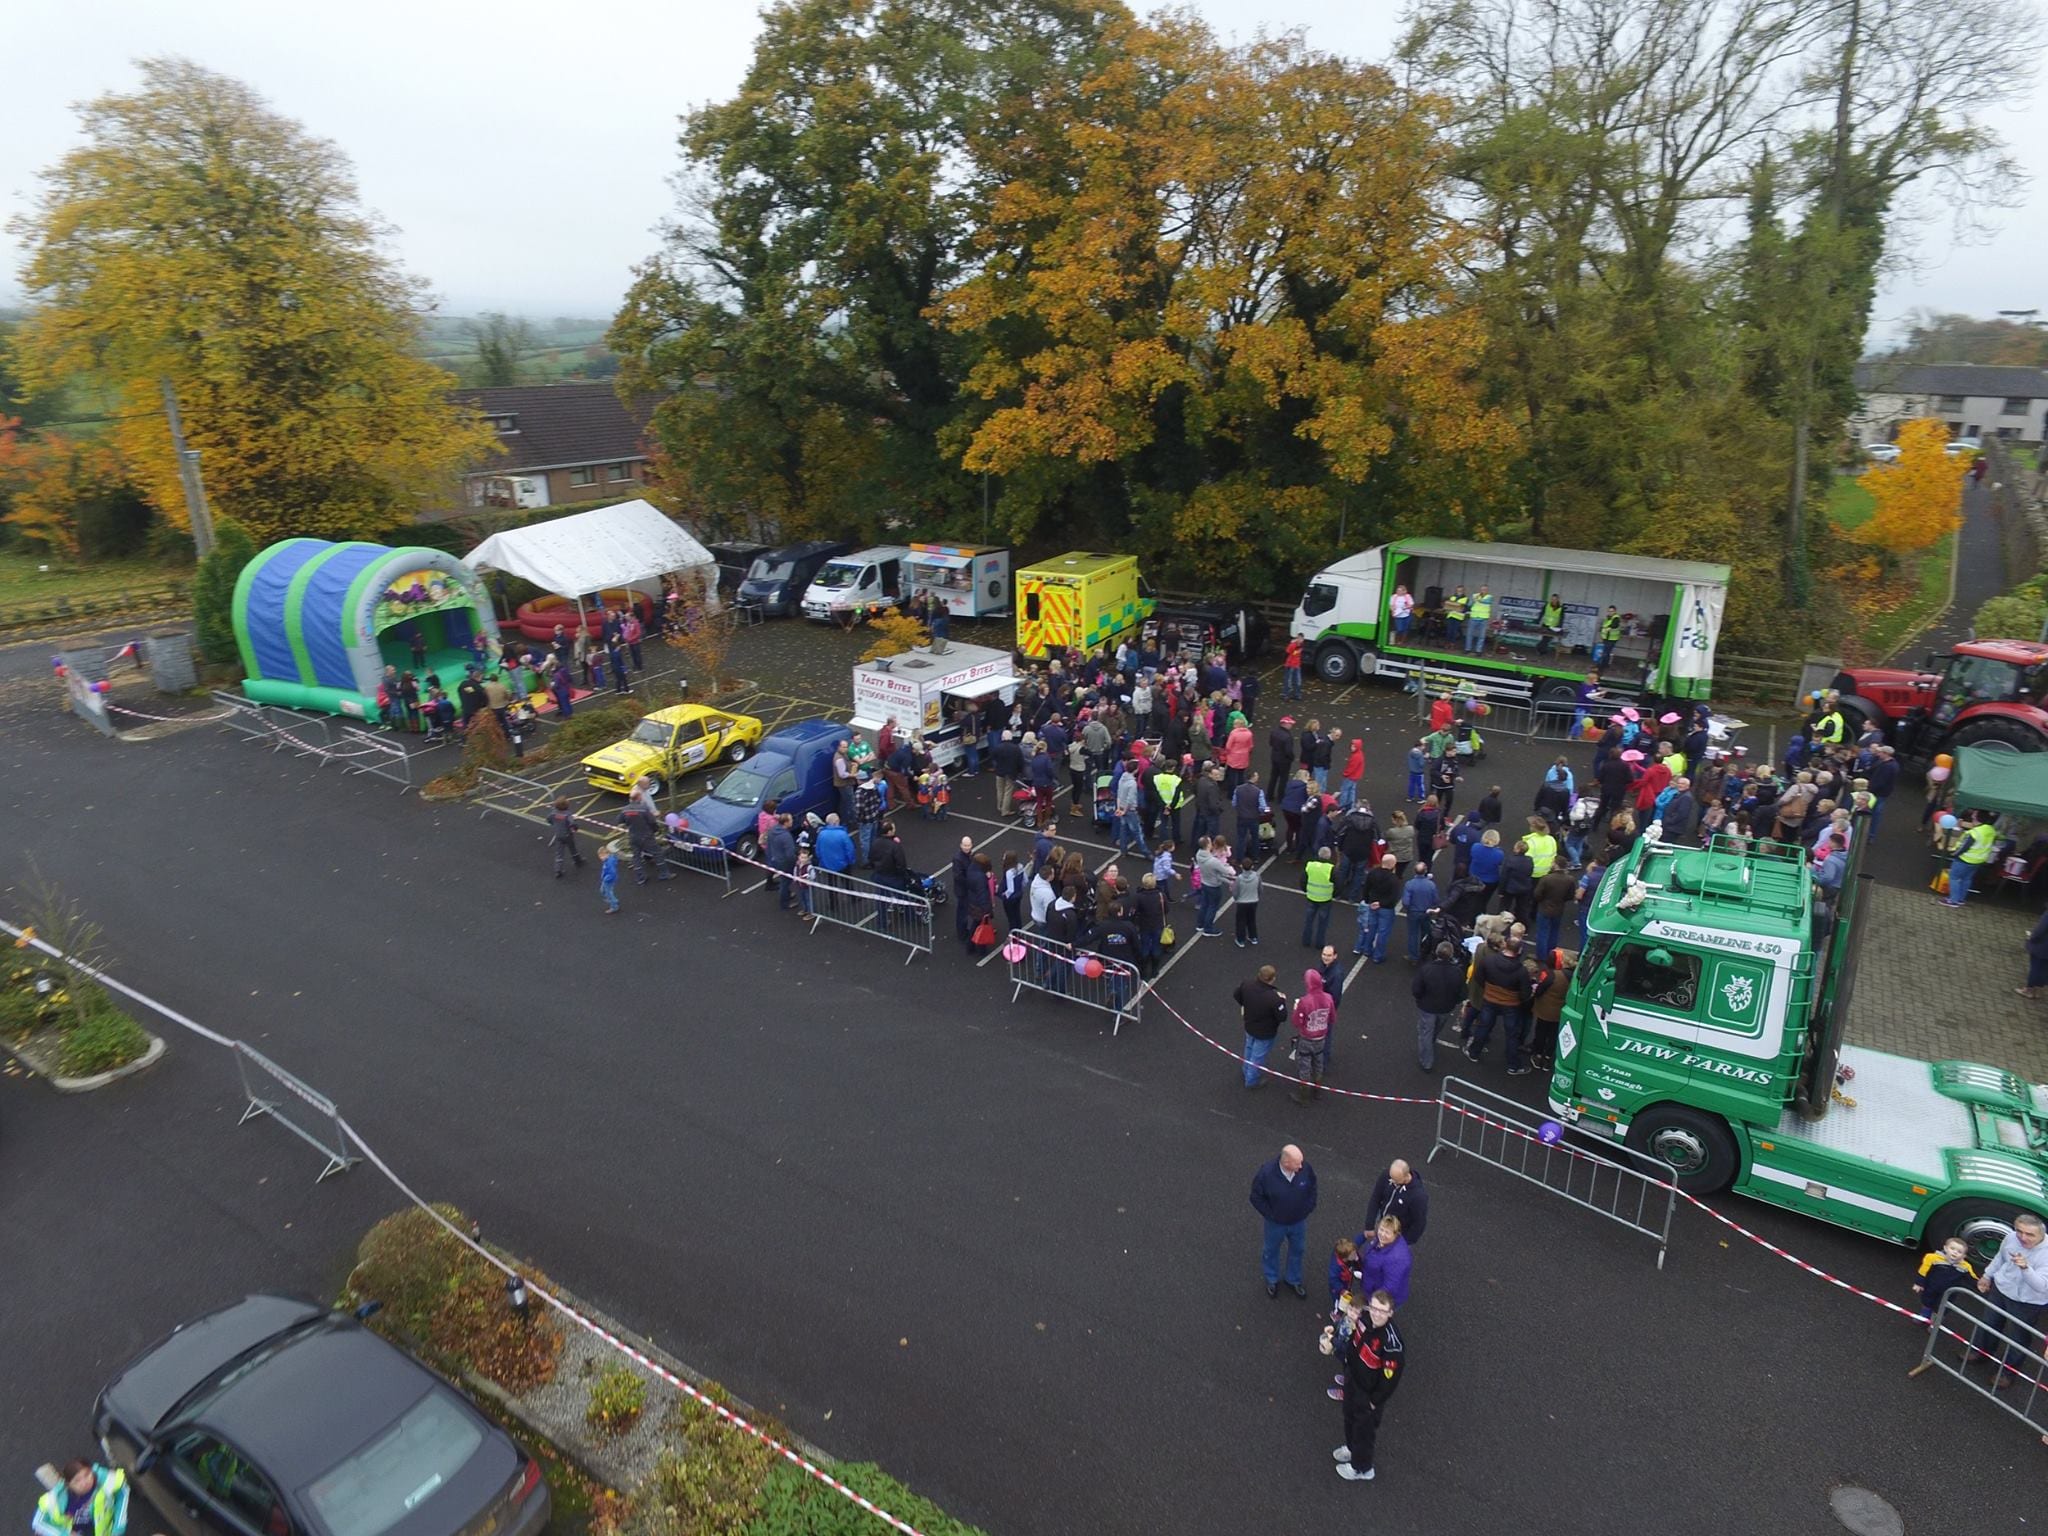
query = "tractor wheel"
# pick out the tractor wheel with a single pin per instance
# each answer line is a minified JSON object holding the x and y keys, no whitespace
{"x":2000,"y":732}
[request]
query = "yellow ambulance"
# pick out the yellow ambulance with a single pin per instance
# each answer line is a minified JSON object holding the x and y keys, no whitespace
{"x":1082,"y":599}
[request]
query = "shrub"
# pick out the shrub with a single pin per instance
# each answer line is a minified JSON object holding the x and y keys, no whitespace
{"x":710,"y":1487}
{"x":617,"y":1399}
{"x":484,"y":744}
{"x":793,"y":1503}
{"x":593,"y":727}
{"x":106,"y":1039}
{"x":440,"y":1293}
{"x":213,"y":591}
{"x":2014,"y":615}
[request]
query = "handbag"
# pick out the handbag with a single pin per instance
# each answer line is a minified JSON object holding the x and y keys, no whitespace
{"x":984,"y":934}
{"x":1166,"y":936}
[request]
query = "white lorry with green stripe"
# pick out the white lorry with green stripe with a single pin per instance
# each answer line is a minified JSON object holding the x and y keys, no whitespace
{"x":1547,"y":612}
{"x":1704,"y":1027}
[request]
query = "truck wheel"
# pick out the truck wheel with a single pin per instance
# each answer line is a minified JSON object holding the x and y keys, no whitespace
{"x":1997,"y":732}
{"x":1336,"y":664}
{"x":736,"y":753}
{"x":1558,"y":693}
{"x":1982,"y":1225}
{"x":1698,"y":1147}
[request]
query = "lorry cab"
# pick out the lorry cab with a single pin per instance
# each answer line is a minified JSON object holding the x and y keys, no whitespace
{"x":775,"y":583}
{"x":1705,"y":1029}
{"x":868,"y":579}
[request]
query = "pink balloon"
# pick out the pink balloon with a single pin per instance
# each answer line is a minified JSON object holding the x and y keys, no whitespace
{"x":1938,"y":775}
{"x":1013,"y":952}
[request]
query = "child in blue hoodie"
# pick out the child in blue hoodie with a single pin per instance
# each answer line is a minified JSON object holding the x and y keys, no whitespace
{"x":608,"y":878}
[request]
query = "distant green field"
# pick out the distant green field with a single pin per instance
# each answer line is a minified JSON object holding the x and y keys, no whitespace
{"x":1849,"y":505}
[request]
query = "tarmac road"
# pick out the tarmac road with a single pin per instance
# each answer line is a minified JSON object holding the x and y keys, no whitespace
{"x":1009,"y":1255}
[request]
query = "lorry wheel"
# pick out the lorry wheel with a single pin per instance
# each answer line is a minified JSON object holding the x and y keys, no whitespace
{"x":1558,"y":693}
{"x":1336,"y":664}
{"x":1982,"y":1225}
{"x":1698,"y":1147}
{"x":2007,"y":734}
{"x":736,"y":753}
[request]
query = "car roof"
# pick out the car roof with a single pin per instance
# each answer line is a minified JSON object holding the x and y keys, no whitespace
{"x":150,"y":1385}
{"x":790,"y":738}
{"x":318,"y":1400}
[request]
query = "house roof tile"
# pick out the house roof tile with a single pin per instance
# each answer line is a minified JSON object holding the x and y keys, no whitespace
{"x":561,"y":424}
{"x":1985,"y":379}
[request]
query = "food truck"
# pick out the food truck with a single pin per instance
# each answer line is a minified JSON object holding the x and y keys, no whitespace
{"x":922,"y":693}
{"x":971,"y":580}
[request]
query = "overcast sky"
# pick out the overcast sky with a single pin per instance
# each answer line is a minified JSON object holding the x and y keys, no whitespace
{"x":521,"y":148}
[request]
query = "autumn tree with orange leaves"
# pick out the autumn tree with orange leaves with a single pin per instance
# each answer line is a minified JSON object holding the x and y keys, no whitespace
{"x":1920,"y":498}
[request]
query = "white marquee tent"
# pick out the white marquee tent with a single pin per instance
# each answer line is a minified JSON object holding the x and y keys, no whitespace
{"x":630,"y":545}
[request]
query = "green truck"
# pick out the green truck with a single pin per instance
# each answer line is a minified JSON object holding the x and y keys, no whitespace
{"x":1704,"y":1028}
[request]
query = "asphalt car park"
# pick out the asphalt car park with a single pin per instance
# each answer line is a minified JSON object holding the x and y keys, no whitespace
{"x":989,"y":1243}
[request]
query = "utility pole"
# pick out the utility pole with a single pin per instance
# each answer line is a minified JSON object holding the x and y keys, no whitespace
{"x":984,"y":506}
{"x":188,"y":472}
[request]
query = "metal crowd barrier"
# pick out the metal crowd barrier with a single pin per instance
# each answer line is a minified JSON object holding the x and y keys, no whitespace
{"x":242,"y":716}
{"x":862,"y":906}
{"x":1993,"y":1353}
{"x":384,"y":756}
{"x":261,"y":1080}
{"x":1054,"y":969}
{"x":692,"y":854}
{"x":1623,"y":1185}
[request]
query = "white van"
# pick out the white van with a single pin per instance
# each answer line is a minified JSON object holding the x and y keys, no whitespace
{"x":870,"y":579}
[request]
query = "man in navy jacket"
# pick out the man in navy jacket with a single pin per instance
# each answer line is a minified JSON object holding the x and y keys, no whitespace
{"x":1284,"y":1193}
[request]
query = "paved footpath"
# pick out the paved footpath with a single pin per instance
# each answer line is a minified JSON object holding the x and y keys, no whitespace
{"x":1910,"y":1002}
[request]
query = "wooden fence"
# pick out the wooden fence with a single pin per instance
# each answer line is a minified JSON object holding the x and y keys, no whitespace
{"x":115,"y":604}
{"x":1756,"y":680}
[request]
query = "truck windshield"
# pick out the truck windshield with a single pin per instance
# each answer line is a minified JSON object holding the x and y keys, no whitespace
{"x":744,"y":786}
{"x":765,"y":569}
{"x":838,"y":573}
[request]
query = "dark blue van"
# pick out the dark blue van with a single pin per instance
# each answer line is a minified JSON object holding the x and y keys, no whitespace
{"x":792,"y":765}
{"x":776,"y":581}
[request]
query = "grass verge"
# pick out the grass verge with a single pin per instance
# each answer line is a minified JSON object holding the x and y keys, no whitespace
{"x":25,"y":584}
{"x":1914,"y":596}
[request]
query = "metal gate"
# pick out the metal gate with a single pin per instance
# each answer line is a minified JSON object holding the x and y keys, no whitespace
{"x":1638,"y":1192}
{"x":1991,"y":1352}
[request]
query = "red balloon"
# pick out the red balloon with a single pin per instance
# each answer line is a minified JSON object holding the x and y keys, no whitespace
{"x":1091,"y":967}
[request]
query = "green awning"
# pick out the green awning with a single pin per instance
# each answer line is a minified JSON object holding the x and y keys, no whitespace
{"x":1999,"y":779}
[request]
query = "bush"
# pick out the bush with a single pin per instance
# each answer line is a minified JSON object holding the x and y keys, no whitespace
{"x":2014,"y":615}
{"x":793,"y":1503}
{"x":441,"y":1294}
{"x":213,"y":592}
{"x":709,"y":1486}
{"x":484,"y":744}
{"x":106,"y":1039}
{"x":592,"y":727}
{"x":617,"y":1399}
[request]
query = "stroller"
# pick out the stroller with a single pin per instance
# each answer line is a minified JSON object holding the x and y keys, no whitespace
{"x":1105,"y":800}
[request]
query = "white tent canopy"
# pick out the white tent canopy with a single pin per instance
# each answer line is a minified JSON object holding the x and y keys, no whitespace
{"x":628,"y":545}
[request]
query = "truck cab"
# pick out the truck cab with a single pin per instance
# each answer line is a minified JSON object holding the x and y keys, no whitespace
{"x":777,"y":580}
{"x":1704,"y":1028}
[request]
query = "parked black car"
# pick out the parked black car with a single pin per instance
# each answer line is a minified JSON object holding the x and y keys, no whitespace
{"x":1240,"y":630}
{"x":277,"y":1417}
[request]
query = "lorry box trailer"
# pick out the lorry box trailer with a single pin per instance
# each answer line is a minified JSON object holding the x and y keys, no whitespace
{"x":1544,"y":618}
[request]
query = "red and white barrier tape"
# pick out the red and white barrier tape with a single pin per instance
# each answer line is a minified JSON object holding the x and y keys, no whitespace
{"x":122,"y":709}
{"x":787,"y":1452}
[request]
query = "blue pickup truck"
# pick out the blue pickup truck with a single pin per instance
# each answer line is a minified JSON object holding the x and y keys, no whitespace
{"x":792,"y":765}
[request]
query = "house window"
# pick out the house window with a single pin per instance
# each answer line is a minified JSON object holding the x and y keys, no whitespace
{"x":1950,"y":403}
{"x":619,"y":472}
{"x":505,"y":425}
{"x":584,"y":476}
{"x":2016,"y":405}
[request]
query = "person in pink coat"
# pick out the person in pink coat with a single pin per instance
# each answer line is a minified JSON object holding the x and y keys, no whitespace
{"x":1237,"y":753}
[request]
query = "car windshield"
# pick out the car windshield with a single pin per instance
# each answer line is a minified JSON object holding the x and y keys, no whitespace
{"x":398,"y":1471}
{"x":652,"y":732}
{"x":838,"y":573}
{"x":765,"y":569}
{"x":746,"y":786}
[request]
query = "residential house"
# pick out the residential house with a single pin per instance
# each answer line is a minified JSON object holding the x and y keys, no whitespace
{"x":1974,"y":399}
{"x":562,"y":443}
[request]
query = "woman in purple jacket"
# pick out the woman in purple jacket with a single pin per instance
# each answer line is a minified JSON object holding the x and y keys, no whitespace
{"x":1385,"y":1260}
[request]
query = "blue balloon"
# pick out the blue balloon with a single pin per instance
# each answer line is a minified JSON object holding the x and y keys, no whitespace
{"x":1550,"y":1133}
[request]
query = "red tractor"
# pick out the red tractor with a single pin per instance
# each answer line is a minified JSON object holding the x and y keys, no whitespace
{"x":1988,"y":692}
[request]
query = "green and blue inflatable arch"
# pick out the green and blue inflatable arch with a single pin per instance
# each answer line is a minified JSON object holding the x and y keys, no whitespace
{"x":317,"y":622}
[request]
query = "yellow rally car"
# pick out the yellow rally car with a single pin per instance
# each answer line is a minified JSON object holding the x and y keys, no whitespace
{"x":670,"y":743}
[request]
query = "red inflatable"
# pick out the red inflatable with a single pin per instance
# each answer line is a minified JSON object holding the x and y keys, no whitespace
{"x":537,"y":620}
